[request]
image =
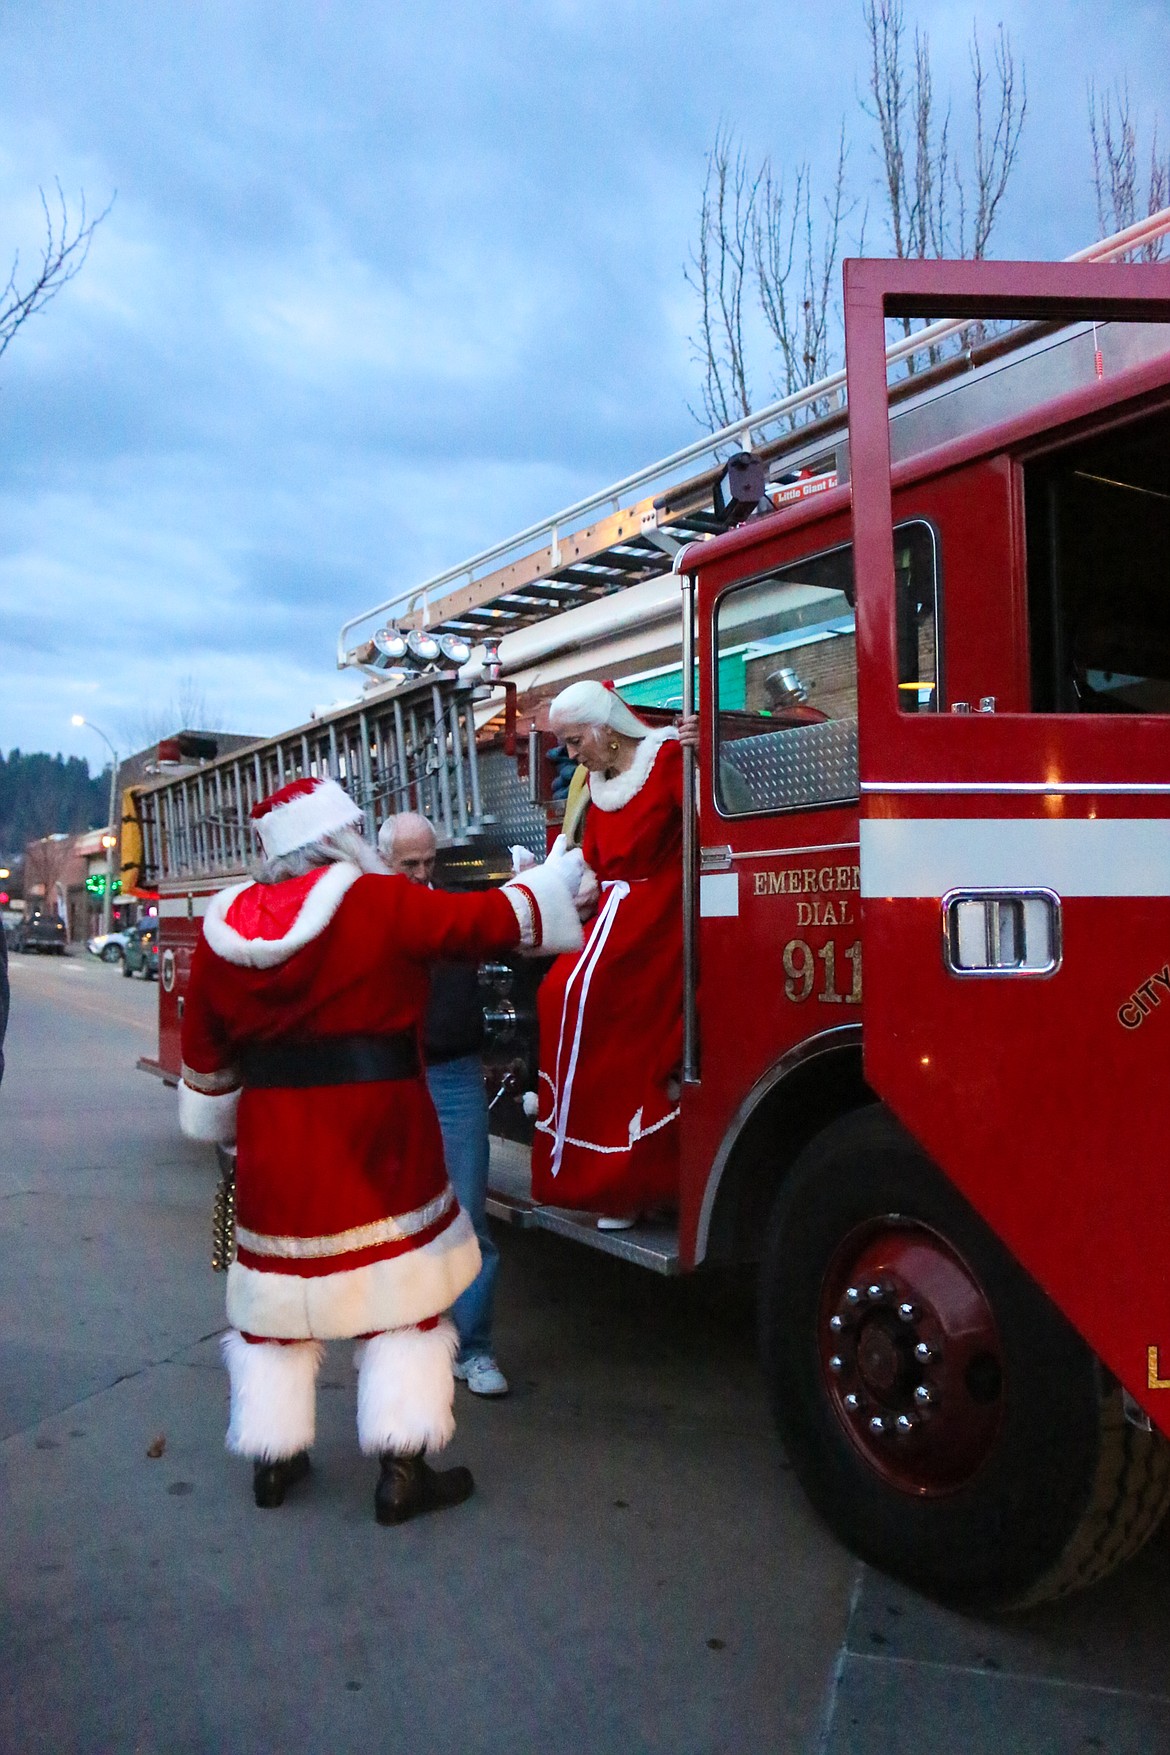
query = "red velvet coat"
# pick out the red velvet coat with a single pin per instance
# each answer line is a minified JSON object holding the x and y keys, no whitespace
{"x":346,"y":1222}
{"x":611,"y":1017}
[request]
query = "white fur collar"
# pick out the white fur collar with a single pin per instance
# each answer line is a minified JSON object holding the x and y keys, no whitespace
{"x":612,"y":794}
{"x":317,"y":910}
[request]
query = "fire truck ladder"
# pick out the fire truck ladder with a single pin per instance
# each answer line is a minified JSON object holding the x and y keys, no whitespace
{"x":612,"y":540}
{"x":414,"y":750}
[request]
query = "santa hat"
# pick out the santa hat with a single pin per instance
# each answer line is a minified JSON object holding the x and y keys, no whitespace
{"x":594,"y":703}
{"x":302,"y":812}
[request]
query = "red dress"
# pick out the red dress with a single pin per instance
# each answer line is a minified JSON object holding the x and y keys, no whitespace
{"x":607,"y":1136}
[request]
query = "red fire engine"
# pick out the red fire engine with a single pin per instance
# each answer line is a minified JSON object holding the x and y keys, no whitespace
{"x":931,"y":647}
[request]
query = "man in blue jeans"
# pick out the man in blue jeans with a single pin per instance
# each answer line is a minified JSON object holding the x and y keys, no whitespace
{"x":453,"y":1043}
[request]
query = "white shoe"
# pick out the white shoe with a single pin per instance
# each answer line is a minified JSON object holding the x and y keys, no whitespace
{"x":607,"y":1223}
{"x":482,"y":1375}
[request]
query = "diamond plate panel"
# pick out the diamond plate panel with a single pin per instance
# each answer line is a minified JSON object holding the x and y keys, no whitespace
{"x":505,"y":797}
{"x":805,"y":764}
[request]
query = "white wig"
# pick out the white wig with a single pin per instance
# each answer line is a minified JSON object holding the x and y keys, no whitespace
{"x":591,"y":703}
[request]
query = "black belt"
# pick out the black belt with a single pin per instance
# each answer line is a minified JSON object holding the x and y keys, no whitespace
{"x":329,"y":1060}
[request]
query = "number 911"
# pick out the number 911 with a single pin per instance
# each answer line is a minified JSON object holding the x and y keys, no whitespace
{"x":801,"y":974}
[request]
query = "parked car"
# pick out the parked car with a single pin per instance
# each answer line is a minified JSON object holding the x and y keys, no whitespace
{"x":44,"y":932}
{"x":141,"y":950}
{"x":109,"y":946}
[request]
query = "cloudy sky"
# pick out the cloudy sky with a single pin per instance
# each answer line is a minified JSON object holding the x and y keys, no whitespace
{"x":383,"y":283}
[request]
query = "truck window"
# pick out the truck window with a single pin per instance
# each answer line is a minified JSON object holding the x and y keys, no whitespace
{"x":1098,"y":520}
{"x":786,"y":675}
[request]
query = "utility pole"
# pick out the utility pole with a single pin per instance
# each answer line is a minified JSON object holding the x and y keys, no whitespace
{"x":110,"y":839}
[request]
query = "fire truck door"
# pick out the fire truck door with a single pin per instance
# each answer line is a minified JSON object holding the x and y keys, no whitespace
{"x":1015,"y":867}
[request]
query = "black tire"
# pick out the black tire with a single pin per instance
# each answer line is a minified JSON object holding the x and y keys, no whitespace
{"x":1065,"y":1488}
{"x":110,"y":953}
{"x":126,"y":969}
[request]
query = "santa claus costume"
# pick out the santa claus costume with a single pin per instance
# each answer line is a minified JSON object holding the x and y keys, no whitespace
{"x":301,"y":1044}
{"x":607,"y":1129}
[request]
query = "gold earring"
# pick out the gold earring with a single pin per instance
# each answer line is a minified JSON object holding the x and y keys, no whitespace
{"x":612,"y":747}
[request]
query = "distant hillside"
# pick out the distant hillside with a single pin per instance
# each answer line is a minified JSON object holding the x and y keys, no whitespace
{"x":46,"y":795}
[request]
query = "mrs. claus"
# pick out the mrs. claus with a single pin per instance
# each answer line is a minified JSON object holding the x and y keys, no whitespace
{"x":607,"y":1127}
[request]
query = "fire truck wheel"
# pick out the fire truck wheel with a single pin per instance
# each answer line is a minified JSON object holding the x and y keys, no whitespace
{"x":941,"y":1414}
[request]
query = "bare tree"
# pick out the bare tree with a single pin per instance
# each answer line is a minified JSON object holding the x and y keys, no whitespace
{"x":998,"y":112}
{"x":719,"y":274}
{"x":186,"y":710}
{"x":796,"y":272}
{"x":935,"y":206}
{"x":46,"y":870}
{"x":760,"y":246}
{"x":1113,"y":139}
{"x":770,"y":230}
{"x":62,"y":257}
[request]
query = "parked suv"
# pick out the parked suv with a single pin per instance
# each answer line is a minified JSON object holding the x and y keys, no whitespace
{"x":109,"y":946}
{"x":44,"y":932}
{"x":141,"y":950}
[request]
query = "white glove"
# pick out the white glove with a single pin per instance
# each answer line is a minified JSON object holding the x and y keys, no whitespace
{"x":588,"y":895}
{"x":568,"y":863}
{"x":523,"y":859}
{"x":560,"y":888}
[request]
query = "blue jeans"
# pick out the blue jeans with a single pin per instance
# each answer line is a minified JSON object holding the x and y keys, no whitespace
{"x":456,"y":1088}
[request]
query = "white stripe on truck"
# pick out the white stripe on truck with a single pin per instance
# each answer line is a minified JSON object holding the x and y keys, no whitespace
{"x":927,"y":856}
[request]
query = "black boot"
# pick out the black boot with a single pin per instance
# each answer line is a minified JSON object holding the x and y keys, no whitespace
{"x":408,"y":1488}
{"x":271,"y":1480}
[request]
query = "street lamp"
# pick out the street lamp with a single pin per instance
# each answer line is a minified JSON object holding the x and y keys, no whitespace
{"x":110,"y":841}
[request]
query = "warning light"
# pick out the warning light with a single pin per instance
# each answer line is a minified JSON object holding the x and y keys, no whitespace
{"x":3,"y":898}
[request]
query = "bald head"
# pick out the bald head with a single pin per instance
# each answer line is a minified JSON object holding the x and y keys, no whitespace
{"x":407,"y":843}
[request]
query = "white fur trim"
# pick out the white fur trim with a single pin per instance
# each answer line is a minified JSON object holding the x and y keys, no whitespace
{"x":317,"y":910}
{"x":307,"y":818}
{"x":558,"y":928}
{"x":591,"y":703}
{"x":395,"y":1293}
{"x":406,"y":1390}
{"x":612,"y":794}
{"x":274,"y":1396}
{"x":203,"y":1117}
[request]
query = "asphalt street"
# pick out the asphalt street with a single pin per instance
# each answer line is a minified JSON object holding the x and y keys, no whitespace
{"x":638,"y":1570}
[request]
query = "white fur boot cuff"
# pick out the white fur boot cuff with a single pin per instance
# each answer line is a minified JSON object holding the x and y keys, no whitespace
{"x":274,"y":1396}
{"x":406,"y":1390}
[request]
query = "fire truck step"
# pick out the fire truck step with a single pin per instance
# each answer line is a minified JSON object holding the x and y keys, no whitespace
{"x":650,"y":1245}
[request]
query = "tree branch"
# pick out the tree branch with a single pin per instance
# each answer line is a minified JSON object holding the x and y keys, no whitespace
{"x":717,"y":274}
{"x":63,"y":256}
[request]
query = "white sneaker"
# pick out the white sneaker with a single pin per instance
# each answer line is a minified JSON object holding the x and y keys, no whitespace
{"x":482,"y":1375}
{"x":611,"y":1223}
